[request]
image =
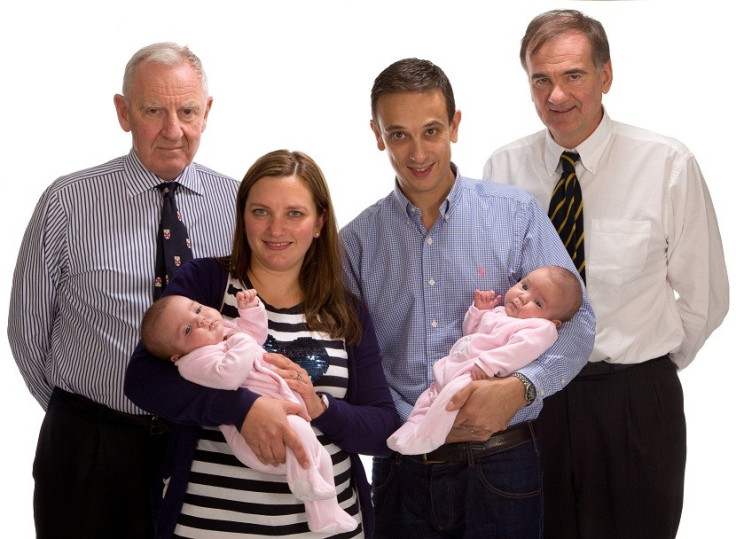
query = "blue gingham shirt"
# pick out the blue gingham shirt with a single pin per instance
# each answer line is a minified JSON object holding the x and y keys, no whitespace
{"x":418,"y":283}
{"x":85,"y":272}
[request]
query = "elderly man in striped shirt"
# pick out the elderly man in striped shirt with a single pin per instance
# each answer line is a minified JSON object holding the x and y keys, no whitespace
{"x":84,"y":277}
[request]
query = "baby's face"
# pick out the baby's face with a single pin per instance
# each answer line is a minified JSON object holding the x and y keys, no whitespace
{"x":535,"y":296}
{"x":192,"y":324}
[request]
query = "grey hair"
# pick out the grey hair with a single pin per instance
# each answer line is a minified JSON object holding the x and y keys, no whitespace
{"x":557,"y":22}
{"x":166,"y":53}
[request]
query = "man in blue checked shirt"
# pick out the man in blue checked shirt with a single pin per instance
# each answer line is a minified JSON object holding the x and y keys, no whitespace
{"x":416,"y":257}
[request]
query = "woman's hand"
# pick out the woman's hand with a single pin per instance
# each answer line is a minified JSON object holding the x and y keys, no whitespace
{"x":268,"y":433}
{"x":299,"y":382}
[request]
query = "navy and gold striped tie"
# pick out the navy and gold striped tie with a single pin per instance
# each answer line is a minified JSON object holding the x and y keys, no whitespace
{"x":566,"y":211}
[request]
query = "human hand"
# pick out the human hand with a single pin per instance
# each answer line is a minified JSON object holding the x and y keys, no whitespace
{"x":246,"y":298}
{"x":486,"y":299}
{"x":298,"y":380}
{"x":476,"y":373}
{"x":485,"y":408}
{"x":268,"y":433}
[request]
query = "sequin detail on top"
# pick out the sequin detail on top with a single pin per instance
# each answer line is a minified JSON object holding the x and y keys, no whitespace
{"x":306,"y":352}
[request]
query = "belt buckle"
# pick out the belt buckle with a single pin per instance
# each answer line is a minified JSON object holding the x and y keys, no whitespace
{"x":428,"y":461}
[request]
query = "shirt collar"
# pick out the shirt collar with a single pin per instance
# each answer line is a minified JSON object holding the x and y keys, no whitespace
{"x":140,"y":179}
{"x":590,"y":150}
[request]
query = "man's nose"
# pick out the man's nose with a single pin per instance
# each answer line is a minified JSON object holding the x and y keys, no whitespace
{"x":558,"y":94}
{"x":418,"y":154}
{"x":172,"y":127}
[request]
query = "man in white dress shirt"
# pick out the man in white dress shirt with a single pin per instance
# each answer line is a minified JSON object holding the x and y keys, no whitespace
{"x":613,"y":441}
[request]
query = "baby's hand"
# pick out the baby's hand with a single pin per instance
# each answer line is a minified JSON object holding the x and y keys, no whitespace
{"x":476,"y":373}
{"x":486,"y":299}
{"x":246,"y":298}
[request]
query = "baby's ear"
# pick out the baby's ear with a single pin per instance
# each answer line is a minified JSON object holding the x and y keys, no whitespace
{"x":557,"y":323}
{"x":175,"y":358}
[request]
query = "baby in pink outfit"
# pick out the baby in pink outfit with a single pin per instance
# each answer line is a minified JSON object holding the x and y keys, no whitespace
{"x":223,"y":354}
{"x":497,"y":341}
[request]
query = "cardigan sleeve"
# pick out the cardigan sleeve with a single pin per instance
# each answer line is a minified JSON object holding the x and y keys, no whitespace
{"x":156,"y":386}
{"x":367,"y":417}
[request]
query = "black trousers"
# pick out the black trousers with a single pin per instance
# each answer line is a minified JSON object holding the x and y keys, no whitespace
{"x":94,"y":471}
{"x":613,"y":452}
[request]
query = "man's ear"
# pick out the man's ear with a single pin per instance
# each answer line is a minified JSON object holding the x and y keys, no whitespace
{"x":377,"y":132}
{"x":123,"y":113}
{"x":607,"y":76}
{"x":207,"y":108}
{"x":455,"y":125}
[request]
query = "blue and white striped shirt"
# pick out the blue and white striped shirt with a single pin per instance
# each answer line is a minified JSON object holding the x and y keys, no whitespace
{"x":85,"y":272}
{"x":418,"y":283}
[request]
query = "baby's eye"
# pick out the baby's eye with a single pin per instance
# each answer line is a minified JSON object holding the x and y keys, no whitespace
{"x":538,"y":304}
{"x":187,"y":330}
{"x":199,"y":310}
{"x":524,"y":286}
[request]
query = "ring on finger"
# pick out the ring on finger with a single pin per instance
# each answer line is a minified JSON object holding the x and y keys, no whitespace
{"x":298,"y":377}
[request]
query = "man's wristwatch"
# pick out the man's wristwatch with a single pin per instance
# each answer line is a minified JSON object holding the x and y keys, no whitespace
{"x":530,"y":392}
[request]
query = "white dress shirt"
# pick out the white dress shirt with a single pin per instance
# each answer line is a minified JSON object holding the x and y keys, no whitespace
{"x":655,"y":271}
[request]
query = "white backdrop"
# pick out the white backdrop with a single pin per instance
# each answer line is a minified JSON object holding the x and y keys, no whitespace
{"x":298,"y":75}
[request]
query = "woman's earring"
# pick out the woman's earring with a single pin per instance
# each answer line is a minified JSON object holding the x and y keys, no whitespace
{"x":316,"y":234}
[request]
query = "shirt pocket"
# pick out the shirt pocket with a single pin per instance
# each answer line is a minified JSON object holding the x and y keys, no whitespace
{"x":618,"y":250}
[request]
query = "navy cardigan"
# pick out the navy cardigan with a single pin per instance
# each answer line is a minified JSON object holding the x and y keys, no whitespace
{"x":359,"y":424}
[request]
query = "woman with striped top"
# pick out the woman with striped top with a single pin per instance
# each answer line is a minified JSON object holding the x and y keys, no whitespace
{"x":286,"y":246}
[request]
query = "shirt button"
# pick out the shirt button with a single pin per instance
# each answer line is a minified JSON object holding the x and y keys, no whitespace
{"x":431,"y":282}
{"x":429,"y":241}
{"x":434,"y":323}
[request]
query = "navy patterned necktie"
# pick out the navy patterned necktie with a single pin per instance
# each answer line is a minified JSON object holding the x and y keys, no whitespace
{"x":566,"y":211}
{"x":173,"y":246}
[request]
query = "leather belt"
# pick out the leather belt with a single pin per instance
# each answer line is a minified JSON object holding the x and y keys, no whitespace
{"x":597,"y":368}
{"x":100,"y":413}
{"x":465,"y":451}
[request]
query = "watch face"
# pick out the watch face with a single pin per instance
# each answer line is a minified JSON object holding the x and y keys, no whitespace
{"x":530,"y":392}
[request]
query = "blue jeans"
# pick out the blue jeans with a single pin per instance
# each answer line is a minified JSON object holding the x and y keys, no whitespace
{"x":497,"y":496}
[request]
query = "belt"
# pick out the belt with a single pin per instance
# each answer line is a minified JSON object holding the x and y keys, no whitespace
{"x":102,"y":414}
{"x":596,"y":368}
{"x":466,"y":451}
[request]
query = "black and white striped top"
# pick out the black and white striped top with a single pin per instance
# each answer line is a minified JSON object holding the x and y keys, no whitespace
{"x":85,"y":272}
{"x":226,"y":499}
